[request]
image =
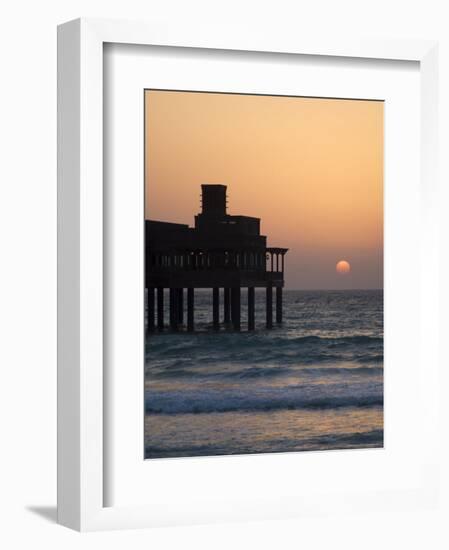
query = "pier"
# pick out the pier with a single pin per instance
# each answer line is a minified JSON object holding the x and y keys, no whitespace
{"x":223,"y":253}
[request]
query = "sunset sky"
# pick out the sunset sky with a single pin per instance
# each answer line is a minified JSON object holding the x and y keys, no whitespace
{"x":311,"y":169}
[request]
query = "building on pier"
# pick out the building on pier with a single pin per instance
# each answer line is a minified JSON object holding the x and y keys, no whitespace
{"x":222,"y":252}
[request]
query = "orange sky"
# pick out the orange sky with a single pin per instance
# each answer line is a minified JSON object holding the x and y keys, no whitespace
{"x":311,"y":169}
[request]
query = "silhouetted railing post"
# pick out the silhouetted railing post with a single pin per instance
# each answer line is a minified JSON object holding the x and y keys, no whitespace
{"x":160,"y":308}
{"x":251,"y":312}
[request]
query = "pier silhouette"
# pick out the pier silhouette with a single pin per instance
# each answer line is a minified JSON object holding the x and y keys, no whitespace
{"x":222,"y":252}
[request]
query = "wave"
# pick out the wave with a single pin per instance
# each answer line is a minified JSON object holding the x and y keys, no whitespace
{"x":262,"y":372}
{"x":276,"y":371}
{"x":196,"y":351}
{"x":371,"y":438}
{"x":213,"y":401}
{"x":250,"y":339}
{"x":354,"y":339}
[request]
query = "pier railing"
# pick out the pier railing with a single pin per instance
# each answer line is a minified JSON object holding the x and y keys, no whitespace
{"x":268,"y":260}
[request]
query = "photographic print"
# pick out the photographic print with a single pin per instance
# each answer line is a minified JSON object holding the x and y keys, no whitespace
{"x":263,"y":274}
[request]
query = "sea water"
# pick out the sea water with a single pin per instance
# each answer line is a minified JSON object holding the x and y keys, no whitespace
{"x":313,"y":383}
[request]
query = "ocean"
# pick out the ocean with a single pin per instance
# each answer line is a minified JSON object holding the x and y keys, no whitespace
{"x":313,"y":383}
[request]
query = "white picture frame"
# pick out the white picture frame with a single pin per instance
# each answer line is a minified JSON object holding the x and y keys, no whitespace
{"x":81,"y":407}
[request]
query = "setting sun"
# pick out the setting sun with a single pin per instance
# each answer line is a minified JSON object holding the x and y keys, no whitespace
{"x":343,"y":267}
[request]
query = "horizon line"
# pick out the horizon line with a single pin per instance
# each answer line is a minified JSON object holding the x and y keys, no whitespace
{"x":309,"y":289}
{"x":332,"y":289}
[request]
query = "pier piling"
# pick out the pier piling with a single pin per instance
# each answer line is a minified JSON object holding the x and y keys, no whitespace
{"x":190,"y":309}
{"x":180,"y":305}
{"x":215,"y":308}
{"x":174,"y":296}
{"x":235,"y":307}
{"x":227,"y":305}
{"x":278,"y":305}
{"x":150,"y":309}
{"x":251,"y":309}
{"x":160,"y":309}
{"x":269,"y":301}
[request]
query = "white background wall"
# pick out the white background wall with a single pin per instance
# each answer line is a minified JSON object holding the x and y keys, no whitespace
{"x":28,"y":268}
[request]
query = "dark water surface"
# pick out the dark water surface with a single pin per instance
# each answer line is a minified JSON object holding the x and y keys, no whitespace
{"x":314,"y":383}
